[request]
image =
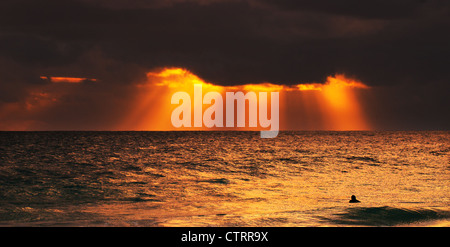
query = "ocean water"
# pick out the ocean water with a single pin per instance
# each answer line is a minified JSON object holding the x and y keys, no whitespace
{"x":224,"y":179}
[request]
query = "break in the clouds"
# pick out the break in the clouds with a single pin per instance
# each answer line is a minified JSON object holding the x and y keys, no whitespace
{"x":399,"y":48}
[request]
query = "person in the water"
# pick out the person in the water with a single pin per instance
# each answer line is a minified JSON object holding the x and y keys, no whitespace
{"x":353,"y":200}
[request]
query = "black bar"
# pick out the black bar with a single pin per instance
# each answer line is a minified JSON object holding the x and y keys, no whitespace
{"x":223,"y":236}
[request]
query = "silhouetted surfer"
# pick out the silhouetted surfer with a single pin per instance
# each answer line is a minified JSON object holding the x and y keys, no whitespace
{"x":353,"y":200}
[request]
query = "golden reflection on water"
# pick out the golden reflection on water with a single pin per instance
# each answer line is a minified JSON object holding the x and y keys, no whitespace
{"x":227,"y":179}
{"x":298,"y":180}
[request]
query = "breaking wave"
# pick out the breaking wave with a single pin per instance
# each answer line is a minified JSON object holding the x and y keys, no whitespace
{"x":387,"y":216}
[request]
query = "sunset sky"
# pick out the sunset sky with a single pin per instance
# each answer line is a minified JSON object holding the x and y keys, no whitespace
{"x":114,"y":64}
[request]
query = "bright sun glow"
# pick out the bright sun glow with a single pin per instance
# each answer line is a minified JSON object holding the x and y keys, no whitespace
{"x":330,"y":106}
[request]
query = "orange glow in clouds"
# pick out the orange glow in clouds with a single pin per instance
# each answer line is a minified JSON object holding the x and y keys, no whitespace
{"x":333,"y":105}
{"x":56,"y":79}
{"x":341,"y":104}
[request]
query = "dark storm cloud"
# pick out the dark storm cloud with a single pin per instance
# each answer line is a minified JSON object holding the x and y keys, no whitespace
{"x":383,"y":43}
{"x":229,"y":42}
{"x":375,"y":9}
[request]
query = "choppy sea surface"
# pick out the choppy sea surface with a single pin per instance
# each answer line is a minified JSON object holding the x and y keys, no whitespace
{"x":224,"y":179}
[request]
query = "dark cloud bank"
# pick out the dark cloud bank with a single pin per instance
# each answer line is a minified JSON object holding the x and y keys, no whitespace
{"x":400,"y":48}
